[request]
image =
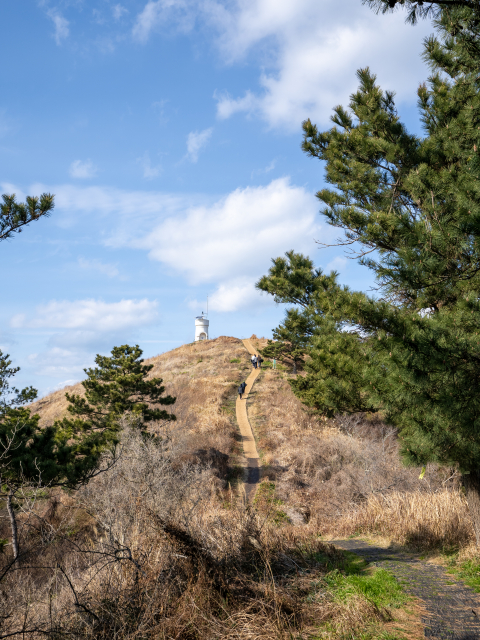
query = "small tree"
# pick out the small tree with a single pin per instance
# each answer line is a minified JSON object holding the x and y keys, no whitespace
{"x":118,"y":385}
{"x":290,"y":340}
{"x":32,"y":457}
{"x":72,"y":451}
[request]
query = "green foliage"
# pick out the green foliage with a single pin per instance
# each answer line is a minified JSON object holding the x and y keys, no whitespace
{"x":11,"y":396}
{"x":468,"y":571}
{"x":419,"y":8}
{"x":411,"y":206}
{"x":379,"y":587}
{"x":235,"y":361}
{"x":14,"y":215}
{"x":119,"y":385}
{"x":332,"y":355}
{"x":266,"y":501}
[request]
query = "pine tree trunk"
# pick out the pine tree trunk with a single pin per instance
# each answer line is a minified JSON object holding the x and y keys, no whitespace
{"x":13,"y":524}
{"x":471,"y":482}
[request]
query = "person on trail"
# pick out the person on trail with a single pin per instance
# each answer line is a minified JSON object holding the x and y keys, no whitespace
{"x":259,"y":361}
{"x":241,"y":389}
{"x":254,"y":361}
{"x":274,"y":363}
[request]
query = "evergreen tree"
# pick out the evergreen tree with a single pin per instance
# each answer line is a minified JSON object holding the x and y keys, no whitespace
{"x":411,"y":206}
{"x":72,"y":451}
{"x":32,"y":457}
{"x":421,"y":8}
{"x":117,"y":386}
{"x":290,"y":340}
{"x":15,"y":215}
{"x":333,"y":355}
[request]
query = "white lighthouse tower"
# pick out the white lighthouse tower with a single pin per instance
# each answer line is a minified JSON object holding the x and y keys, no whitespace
{"x":201,"y":327}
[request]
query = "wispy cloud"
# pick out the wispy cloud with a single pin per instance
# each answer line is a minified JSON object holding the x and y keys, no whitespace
{"x":61,"y":26}
{"x":118,"y":11}
{"x":109,"y":270}
{"x":158,"y":13}
{"x":94,"y":315}
{"x":82,"y":170}
{"x":196,"y":141}
{"x":149,"y":171}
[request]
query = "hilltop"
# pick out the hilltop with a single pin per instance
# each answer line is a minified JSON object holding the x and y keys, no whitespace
{"x":317,"y":468}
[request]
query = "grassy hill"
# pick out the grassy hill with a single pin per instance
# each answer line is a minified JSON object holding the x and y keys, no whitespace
{"x":164,"y":546}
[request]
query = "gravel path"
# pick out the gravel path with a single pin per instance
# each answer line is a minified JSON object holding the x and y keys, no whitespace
{"x":248,"y":440}
{"x":453,"y":609}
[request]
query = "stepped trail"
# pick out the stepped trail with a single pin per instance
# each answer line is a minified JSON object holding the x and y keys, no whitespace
{"x":452,"y":610}
{"x":248,"y":441}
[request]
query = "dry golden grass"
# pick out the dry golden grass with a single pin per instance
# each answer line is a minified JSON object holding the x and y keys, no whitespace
{"x":419,"y":520}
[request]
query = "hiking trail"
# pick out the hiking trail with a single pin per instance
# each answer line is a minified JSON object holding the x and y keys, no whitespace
{"x":248,"y":440}
{"x":452,"y":608}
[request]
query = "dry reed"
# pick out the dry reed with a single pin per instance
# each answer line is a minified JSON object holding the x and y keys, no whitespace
{"x":420,"y":520}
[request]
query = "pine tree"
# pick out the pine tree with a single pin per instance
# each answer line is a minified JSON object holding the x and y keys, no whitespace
{"x":119,"y":385}
{"x":411,"y":206}
{"x":332,"y":356}
{"x":14,"y":215}
{"x":421,"y":8}
{"x":33,"y":457}
{"x":291,"y":340}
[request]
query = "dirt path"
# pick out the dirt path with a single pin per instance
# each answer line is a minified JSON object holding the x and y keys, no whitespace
{"x":249,"y":446}
{"x":452,"y":609}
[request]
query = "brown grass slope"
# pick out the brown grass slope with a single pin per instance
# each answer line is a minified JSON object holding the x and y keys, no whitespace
{"x":338,"y":476}
{"x":163,"y":545}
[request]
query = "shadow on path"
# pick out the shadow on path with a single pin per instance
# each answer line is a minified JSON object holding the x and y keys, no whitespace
{"x":252,"y":471}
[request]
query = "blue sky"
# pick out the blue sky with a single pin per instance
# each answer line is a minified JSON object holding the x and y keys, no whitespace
{"x":170,"y":131}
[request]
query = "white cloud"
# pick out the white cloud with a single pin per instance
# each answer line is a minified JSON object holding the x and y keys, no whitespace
{"x":196,"y":141}
{"x":109,"y":270}
{"x":60,"y":362}
{"x":339,"y":263}
{"x":61,"y":26}
{"x":306,"y":51}
{"x":228,"y":106}
{"x":314,"y":50}
{"x":118,"y":11}
{"x":158,"y":13}
{"x":146,"y":207}
{"x":149,"y":171}
{"x":236,"y":294}
{"x":237,"y":235}
{"x":82,"y":170}
{"x":94,"y":315}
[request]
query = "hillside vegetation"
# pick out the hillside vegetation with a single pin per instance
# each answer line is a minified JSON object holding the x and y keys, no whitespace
{"x":163,"y":545}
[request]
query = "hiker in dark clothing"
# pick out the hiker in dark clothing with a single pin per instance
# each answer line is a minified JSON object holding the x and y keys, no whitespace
{"x":259,"y":361}
{"x":241,"y":389}
{"x":254,"y":361}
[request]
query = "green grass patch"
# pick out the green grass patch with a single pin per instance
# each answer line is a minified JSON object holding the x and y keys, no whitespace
{"x":468,"y":572}
{"x":355,"y":578}
{"x":379,"y":587}
{"x":235,"y":361}
{"x":266,"y":502}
